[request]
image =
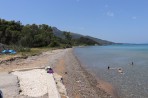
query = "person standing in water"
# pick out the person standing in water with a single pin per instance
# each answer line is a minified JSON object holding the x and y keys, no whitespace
{"x":132,"y":63}
{"x":108,"y":67}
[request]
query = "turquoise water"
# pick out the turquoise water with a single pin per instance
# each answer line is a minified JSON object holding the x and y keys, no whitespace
{"x":133,"y":82}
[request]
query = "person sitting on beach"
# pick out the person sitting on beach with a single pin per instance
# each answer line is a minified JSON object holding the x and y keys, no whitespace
{"x":50,"y":71}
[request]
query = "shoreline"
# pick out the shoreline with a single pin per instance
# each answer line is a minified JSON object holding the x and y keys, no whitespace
{"x":99,"y":85}
{"x":78,"y":81}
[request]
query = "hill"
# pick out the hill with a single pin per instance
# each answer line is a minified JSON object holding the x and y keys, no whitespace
{"x":60,"y":34}
{"x":103,"y":42}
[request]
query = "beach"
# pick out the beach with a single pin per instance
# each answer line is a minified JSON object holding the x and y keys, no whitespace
{"x":78,"y":82}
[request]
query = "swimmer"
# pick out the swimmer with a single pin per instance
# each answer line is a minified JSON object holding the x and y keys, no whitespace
{"x":120,"y":70}
{"x":132,"y":63}
{"x":108,"y":67}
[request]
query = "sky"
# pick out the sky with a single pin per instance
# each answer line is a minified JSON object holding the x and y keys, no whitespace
{"x":122,"y":21}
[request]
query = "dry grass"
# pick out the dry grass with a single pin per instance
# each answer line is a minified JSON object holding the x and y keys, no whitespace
{"x":35,"y":51}
{"x":7,"y":56}
{"x":32,"y":52}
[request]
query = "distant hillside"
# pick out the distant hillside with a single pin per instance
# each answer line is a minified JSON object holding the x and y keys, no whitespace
{"x":100,"y":41}
{"x":59,"y":33}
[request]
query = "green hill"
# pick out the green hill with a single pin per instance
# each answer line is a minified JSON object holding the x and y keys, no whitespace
{"x":59,"y":33}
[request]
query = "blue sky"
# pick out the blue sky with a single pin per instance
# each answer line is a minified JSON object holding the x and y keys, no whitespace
{"x":114,"y":20}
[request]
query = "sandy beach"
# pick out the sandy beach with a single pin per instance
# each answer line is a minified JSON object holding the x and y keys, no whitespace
{"x":78,"y":82}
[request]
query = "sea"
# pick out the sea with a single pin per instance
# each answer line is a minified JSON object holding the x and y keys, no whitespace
{"x":132,"y":80}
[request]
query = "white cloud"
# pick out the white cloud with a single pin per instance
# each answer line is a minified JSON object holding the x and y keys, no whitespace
{"x":134,"y":17}
{"x":111,"y":14}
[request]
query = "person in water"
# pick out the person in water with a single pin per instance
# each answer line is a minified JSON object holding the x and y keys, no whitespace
{"x":108,"y":67}
{"x":132,"y":63}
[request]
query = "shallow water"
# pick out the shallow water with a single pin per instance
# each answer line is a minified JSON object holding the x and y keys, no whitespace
{"x":133,"y":82}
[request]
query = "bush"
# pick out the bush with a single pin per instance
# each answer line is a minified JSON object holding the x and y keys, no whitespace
{"x":22,"y":49}
{"x":19,"y":48}
{"x":66,"y":46}
{"x":54,"y":44}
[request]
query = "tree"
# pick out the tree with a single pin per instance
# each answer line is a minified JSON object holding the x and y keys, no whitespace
{"x":68,"y":39}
